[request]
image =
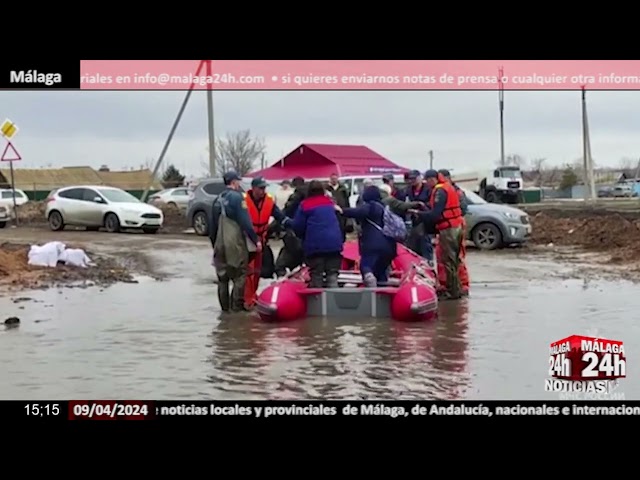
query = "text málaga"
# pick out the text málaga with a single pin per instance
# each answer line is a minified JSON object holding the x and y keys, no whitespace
{"x":33,"y":76}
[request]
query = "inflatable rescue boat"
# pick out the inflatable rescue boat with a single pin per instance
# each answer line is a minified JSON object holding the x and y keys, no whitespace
{"x":409,"y":296}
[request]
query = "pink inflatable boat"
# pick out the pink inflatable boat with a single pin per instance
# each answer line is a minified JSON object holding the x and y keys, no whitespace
{"x":410,"y":295}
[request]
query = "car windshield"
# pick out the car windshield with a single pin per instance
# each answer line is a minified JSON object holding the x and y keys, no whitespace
{"x":472,"y":198}
{"x":118,"y":196}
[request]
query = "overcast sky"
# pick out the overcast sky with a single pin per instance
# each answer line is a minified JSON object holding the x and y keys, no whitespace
{"x":127,"y":129}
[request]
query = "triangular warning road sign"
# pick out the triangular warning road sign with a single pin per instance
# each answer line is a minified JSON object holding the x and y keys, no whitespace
{"x":10,"y":154}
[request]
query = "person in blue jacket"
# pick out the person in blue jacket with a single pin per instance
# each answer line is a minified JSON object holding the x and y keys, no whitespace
{"x":317,"y":225}
{"x":377,"y":251}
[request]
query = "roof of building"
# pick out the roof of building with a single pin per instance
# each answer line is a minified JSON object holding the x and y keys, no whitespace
{"x":345,"y":160}
{"x":129,"y":180}
{"x":42,"y":179}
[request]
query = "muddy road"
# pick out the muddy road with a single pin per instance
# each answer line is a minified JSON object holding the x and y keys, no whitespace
{"x":162,"y":339}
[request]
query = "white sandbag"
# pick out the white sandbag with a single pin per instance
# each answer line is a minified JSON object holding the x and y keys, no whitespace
{"x":46,"y":255}
{"x":75,"y":257}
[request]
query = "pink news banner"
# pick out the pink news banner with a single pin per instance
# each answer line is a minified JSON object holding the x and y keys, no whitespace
{"x":360,"y":74}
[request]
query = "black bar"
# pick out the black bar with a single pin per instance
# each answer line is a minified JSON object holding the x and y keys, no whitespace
{"x":40,"y":75}
{"x":260,"y":411}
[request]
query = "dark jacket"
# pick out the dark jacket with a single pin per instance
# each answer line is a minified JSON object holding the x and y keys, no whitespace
{"x":340,"y":194}
{"x":298,"y":195}
{"x":316,"y":224}
{"x":236,"y":209}
{"x":411,"y":195}
{"x":464,"y":205}
{"x":399,"y":207}
{"x":372,"y":240}
{"x":431,"y":217}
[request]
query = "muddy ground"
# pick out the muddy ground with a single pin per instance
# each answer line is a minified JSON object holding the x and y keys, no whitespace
{"x":601,"y":234}
{"x":117,"y":258}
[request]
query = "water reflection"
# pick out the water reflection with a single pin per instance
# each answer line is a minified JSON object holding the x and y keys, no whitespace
{"x":330,"y":359}
{"x":450,"y":345}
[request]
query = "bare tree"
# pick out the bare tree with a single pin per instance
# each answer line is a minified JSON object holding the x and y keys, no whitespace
{"x":538,"y":169}
{"x":238,"y":151}
{"x":627,"y":163}
{"x":515,"y":160}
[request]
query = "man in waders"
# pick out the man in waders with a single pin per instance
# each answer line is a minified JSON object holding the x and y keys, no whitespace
{"x":445,"y":215}
{"x":462,"y":270}
{"x":261,"y":207}
{"x":232,"y":237}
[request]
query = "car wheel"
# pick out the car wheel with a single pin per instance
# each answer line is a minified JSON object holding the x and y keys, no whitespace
{"x":56,"y":222}
{"x":150,"y":230}
{"x":487,"y":236}
{"x":172,"y":204}
{"x":492,"y":197}
{"x":3,"y":224}
{"x":200,"y":224}
{"x":111,"y":223}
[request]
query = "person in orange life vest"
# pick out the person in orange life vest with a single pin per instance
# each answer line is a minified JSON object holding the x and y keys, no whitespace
{"x":261,"y":207}
{"x":445,"y":216}
{"x":462,"y":270}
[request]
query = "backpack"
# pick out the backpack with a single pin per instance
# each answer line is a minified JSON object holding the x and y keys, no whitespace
{"x":393,"y":226}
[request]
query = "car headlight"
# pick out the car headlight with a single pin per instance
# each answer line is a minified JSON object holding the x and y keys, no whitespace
{"x":510,"y":215}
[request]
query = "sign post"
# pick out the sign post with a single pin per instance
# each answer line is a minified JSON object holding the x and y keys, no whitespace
{"x":10,"y":154}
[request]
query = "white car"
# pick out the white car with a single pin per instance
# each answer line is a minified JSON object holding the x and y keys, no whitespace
{"x":6,"y":197}
{"x":178,"y":197}
{"x":5,"y":215}
{"x":97,"y":207}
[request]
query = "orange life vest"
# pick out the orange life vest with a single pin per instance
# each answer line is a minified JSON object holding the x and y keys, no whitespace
{"x":452,"y":214}
{"x":260,"y":216}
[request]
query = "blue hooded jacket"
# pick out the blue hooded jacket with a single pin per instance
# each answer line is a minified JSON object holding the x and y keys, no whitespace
{"x":372,"y":240}
{"x":316,"y":223}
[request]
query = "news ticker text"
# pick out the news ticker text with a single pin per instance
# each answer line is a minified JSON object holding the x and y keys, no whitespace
{"x":162,"y":410}
{"x":321,"y":75}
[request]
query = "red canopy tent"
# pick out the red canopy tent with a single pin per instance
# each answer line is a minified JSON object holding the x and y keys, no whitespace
{"x":319,"y":161}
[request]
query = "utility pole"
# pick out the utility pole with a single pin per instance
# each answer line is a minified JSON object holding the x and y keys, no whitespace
{"x":587,"y":161}
{"x":430,"y":159}
{"x":175,"y":127}
{"x":212,"y":136}
{"x":501,"y":107}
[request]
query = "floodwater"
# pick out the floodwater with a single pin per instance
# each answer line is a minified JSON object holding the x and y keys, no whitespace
{"x":164,"y":340}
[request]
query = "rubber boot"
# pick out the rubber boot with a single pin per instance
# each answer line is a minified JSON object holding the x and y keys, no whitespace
{"x":224,"y":296}
{"x":332,"y":281}
{"x":369,"y":280}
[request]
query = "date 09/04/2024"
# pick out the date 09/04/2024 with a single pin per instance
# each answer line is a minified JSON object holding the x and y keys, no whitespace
{"x":88,"y":410}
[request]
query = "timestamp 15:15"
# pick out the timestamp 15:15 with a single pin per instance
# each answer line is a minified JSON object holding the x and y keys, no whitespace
{"x":42,"y":409}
